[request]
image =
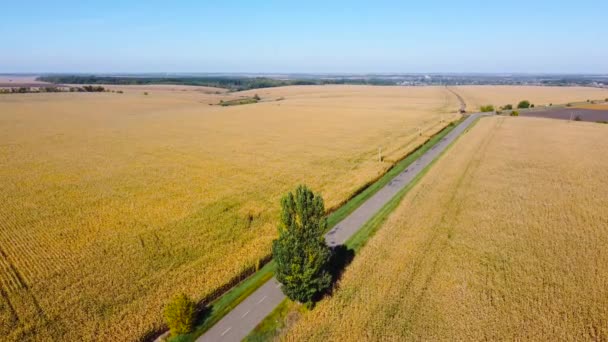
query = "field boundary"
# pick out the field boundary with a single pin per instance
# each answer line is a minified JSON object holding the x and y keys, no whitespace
{"x":253,"y":277}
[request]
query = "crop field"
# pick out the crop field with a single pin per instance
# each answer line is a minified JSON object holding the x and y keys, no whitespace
{"x":477,"y":96}
{"x":570,"y":113}
{"x":112,"y":203}
{"x":505,"y":238}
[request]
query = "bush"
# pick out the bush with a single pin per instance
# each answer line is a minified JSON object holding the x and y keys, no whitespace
{"x":569,"y":105}
{"x":256,"y":97}
{"x":514,"y":113}
{"x":300,"y":252}
{"x":532,"y":105}
{"x":179,"y":314}
{"x":487,"y":108}
{"x":523,"y":104}
{"x":508,"y":107}
{"x":119,"y":91}
{"x":146,"y":93}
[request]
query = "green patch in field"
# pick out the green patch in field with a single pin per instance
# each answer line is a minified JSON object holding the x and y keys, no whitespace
{"x":238,"y":102}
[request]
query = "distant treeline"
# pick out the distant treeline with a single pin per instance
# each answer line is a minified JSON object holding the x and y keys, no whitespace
{"x":25,"y":90}
{"x":232,"y":83}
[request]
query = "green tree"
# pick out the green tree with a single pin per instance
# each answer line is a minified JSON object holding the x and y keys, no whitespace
{"x":507,"y":107}
{"x":523,"y":104}
{"x":488,"y":108}
{"x":301,"y":254}
{"x":179,"y":314}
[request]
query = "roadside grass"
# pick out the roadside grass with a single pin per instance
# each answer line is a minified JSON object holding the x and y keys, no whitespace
{"x":280,"y":319}
{"x":272,"y":325}
{"x":220,"y":307}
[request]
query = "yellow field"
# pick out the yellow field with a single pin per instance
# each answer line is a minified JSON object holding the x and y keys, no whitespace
{"x":603,"y":106}
{"x":112,"y":203}
{"x":476,"y":96}
{"x":505,"y":238}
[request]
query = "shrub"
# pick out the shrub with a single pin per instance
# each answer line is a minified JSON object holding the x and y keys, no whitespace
{"x":300,"y":252}
{"x":514,"y":113}
{"x":146,"y":93}
{"x":523,"y":104}
{"x":179,"y":314}
{"x":569,"y":105}
{"x":508,"y":107}
{"x":487,"y":108}
{"x":532,"y":105}
{"x":256,"y":97}
{"x":606,"y":99}
{"x":119,"y":91}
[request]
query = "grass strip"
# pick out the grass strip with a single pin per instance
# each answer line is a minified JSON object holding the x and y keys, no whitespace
{"x":223,"y":305}
{"x":232,"y":298}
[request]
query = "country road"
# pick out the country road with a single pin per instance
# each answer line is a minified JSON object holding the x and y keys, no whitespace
{"x":239,"y":322}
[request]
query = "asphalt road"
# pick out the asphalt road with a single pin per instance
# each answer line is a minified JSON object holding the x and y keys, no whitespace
{"x":239,"y":322}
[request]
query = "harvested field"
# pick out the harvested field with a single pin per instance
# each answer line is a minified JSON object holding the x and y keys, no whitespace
{"x":578,"y":114}
{"x":601,"y":106}
{"x":477,"y":96}
{"x":505,"y":238}
{"x":112,"y":203}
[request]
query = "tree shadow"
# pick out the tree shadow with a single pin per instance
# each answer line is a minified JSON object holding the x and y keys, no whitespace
{"x":341,"y":257}
{"x":202,"y":313}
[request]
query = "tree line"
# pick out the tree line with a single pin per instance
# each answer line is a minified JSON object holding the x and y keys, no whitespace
{"x":231,"y":83}
{"x":25,"y":90}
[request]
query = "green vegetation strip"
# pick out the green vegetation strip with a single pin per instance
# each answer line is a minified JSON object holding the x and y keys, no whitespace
{"x":237,"y":102}
{"x":232,"y":298}
{"x":273,"y":323}
{"x":224,"y":304}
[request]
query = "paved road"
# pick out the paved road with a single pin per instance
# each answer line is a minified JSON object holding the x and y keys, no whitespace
{"x":239,"y":322}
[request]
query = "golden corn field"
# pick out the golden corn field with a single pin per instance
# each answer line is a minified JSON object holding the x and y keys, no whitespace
{"x":477,"y":96}
{"x":112,"y":203}
{"x":505,"y":238}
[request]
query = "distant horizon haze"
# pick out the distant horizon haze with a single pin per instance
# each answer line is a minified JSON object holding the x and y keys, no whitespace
{"x":338,"y":37}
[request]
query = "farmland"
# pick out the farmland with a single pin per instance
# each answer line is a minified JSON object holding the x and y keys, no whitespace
{"x":477,"y":96}
{"x":112,"y":203}
{"x":505,"y":238}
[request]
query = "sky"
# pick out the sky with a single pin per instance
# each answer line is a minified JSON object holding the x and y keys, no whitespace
{"x":304,"y":36}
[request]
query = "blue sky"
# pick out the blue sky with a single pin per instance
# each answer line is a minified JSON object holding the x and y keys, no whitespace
{"x":304,"y":36}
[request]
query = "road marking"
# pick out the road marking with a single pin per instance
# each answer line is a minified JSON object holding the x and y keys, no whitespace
{"x":225,"y":331}
{"x":245,"y":314}
{"x":261,"y":300}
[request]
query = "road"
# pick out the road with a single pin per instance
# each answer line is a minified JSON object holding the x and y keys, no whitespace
{"x":239,"y":322}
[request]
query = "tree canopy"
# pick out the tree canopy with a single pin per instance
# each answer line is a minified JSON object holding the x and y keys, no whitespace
{"x":301,"y":254}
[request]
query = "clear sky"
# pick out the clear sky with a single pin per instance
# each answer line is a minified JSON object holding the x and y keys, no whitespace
{"x":304,"y":36}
